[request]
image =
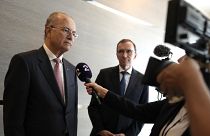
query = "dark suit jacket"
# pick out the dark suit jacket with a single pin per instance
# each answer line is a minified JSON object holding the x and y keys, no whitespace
{"x":103,"y":117}
{"x":32,"y":102}
{"x":159,"y":113}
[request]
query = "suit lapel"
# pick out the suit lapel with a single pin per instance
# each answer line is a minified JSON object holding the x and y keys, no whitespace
{"x":69,"y":82}
{"x":115,"y":79}
{"x":132,"y":82}
{"x":47,"y":71}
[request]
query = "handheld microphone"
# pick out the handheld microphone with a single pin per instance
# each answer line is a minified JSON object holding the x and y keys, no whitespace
{"x":155,"y":65}
{"x":84,"y":74}
{"x":162,"y":51}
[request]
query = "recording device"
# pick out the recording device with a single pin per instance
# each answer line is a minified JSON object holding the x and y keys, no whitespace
{"x":155,"y":65}
{"x":186,"y":28}
{"x":84,"y":74}
{"x":189,"y":29}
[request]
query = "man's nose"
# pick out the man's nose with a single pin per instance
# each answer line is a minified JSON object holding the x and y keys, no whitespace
{"x":70,"y":36}
{"x":125,"y":54}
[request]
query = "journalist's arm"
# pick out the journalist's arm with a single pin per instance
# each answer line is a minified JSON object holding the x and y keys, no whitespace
{"x":187,"y":78}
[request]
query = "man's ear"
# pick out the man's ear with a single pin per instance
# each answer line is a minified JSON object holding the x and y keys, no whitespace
{"x":135,"y":55}
{"x":47,"y":30}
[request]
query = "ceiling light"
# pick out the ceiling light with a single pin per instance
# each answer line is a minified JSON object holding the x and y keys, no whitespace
{"x":119,"y":13}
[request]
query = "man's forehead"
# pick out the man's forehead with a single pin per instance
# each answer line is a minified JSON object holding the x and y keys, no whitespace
{"x":125,"y":46}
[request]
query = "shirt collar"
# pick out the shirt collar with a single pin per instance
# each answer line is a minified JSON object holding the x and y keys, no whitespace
{"x":50,"y":55}
{"x":128,"y":71}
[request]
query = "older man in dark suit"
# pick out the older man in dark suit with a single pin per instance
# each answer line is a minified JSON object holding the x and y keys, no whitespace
{"x":106,"y":121}
{"x":41,"y":93}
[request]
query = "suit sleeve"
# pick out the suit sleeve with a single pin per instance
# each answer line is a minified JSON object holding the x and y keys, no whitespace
{"x":145,"y":95}
{"x":146,"y":113}
{"x":93,"y":109}
{"x":143,"y":100}
{"x":15,"y":97}
{"x":136,"y":126}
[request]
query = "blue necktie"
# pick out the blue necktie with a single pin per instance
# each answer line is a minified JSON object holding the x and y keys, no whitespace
{"x":122,"y":83}
{"x":121,"y":119}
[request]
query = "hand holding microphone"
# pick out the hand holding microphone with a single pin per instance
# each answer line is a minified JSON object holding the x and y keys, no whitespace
{"x":101,"y":92}
{"x":84,"y":74}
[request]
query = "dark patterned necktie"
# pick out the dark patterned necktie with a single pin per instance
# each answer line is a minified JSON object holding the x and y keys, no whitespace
{"x":122,"y":83}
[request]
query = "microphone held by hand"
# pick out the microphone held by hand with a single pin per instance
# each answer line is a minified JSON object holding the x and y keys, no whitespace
{"x":84,"y":74}
{"x":155,"y":65}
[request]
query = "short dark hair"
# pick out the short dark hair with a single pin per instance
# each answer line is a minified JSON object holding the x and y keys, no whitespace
{"x":127,"y":40}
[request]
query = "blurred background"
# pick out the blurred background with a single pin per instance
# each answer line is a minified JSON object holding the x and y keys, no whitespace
{"x":100,"y":25}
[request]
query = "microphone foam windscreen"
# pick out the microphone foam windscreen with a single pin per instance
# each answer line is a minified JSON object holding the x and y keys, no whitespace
{"x":83,"y":72}
{"x":161,"y":51}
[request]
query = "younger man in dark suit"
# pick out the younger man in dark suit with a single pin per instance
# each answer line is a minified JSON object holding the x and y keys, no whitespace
{"x":40,"y":96}
{"x":106,"y":121}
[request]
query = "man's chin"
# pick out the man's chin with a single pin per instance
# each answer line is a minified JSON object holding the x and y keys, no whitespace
{"x":67,"y":46}
{"x":125,"y":67}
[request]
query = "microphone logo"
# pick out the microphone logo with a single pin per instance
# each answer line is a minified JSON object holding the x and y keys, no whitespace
{"x":86,"y":68}
{"x":81,"y":68}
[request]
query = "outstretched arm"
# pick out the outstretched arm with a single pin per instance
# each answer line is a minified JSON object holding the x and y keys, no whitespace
{"x":187,"y":78}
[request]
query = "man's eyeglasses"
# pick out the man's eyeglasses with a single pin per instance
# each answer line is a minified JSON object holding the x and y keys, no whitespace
{"x":122,"y":51}
{"x":67,"y":31}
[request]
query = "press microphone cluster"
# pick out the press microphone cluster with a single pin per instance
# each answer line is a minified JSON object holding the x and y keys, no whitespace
{"x":84,"y":74}
{"x":155,"y":65}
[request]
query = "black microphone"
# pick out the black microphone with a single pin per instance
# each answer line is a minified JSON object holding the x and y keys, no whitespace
{"x":162,"y":51}
{"x":84,"y":74}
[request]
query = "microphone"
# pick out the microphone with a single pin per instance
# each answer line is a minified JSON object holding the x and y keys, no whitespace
{"x":155,"y":65}
{"x":84,"y":74}
{"x":162,"y":51}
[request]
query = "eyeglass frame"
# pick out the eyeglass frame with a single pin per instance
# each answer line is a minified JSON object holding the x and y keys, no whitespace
{"x":127,"y":51}
{"x":66,"y":30}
